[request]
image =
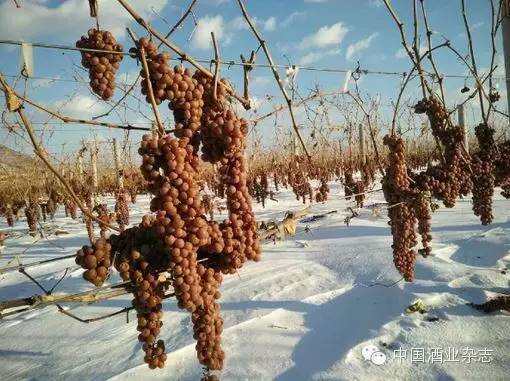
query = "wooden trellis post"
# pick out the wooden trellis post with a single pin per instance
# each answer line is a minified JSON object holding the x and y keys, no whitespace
{"x":80,"y":164}
{"x":361,"y":137}
{"x":93,"y":167}
{"x":119,"y":173}
{"x":461,"y":121}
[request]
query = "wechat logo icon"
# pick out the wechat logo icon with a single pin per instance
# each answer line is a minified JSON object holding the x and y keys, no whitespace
{"x":373,"y":354}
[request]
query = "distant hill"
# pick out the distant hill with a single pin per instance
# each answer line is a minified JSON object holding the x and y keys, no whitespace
{"x":14,"y":159}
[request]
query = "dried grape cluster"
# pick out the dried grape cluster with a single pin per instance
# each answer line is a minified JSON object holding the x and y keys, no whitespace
{"x":354,"y":187}
{"x":122,"y":208}
{"x":359,"y":193}
{"x":483,"y":174}
{"x":422,"y":210}
{"x":259,"y":188}
{"x":483,"y":189}
{"x":450,"y":178}
{"x":7,"y":212}
{"x":96,"y":259}
{"x":396,"y":188}
{"x":349,"y":182}
{"x":437,"y":114}
{"x":195,"y":251}
{"x":502,"y":168}
{"x":141,"y":257}
{"x":32,"y":214}
{"x":160,"y":73}
{"x":102,"y":66}
{"x":322,"y":192}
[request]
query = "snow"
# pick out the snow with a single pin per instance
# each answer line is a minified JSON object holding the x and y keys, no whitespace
{"x":306,"y":311}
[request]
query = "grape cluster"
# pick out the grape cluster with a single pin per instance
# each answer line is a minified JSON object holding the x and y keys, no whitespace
{"x":502,"y":168}
{"x":122,"y":208}
{"x":483,"y":168}
{"x":450,"y":178}
{"x":178,"y":238}
{"x":422,"y":210}
{"x":258,"y":187}
{"x":396,"y":188}
{"x":9,"y":215}
{"x":322,"y":192}
{"x":141,"y":257}
{"x":102,"y":65}
{"x":96,"y":259}
{"x":160,"y":72}
{"x":368,"y":173}
{"x":349,"y":183}
{"x":148,"y":296}
{"x":32,"y":214}
{"x":437,"y":114}
{"x":104,"y":216}
{"x":359,"y":193}
{"x":483,"y":189}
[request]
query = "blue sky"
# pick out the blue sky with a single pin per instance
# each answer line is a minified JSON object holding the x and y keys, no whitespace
{"x":318,"y":33}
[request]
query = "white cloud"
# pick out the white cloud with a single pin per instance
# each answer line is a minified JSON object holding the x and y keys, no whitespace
{"x":291,"y":18}
{"x":312,"y":57}
{"x":202,"y":36}
{"x":81,"y":106}
{"x":67,"y":21}
{"x":239,"y":23}
{"x":315,"y":1}
{"x":270,"y":24}
{"x":309,"y":58}
{"x":375,"y":3}
{"x":359,"y":46}
{"x":261,"y":80}
{"x":477,"y":25}
{"x":401,"y":53}
{"x":325,"y":36}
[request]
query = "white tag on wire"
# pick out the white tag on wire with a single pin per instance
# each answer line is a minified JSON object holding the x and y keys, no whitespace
{"x":27,"y":59}
{"x":347,"y":78}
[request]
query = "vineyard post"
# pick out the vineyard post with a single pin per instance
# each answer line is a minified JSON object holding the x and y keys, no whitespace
{"x":461,"y":121}
{"x":505,"y":31}
{"x":119,"y":174}
{"x":93,"y":166}
{"x":80,"y":165}
{"x":361,"y":137}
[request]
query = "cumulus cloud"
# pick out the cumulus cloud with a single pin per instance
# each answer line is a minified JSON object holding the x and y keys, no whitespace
{"x":81,"y":106}
{"x":267,"y":25}
{"x":375,"y":3}
{"x":325,"y":36}
{"x":270,"y":24}
{"x":37,"y":21}
{"x":223,"y":29}
{"x":401,"y":53}
{"x":261,"y":80}
{"x":312,"y":57}
{"x":309,"y":58}
{"x":357,"y":47}
{"x":291,"y":18}
{"x":202,"y":36}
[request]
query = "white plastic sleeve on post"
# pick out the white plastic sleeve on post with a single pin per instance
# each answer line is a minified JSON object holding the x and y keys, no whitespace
{"x":27,"y":59}
{"x":347,"y":78}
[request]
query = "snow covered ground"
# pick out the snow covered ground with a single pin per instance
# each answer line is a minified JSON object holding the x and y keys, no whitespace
{"x":306,"y":311}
